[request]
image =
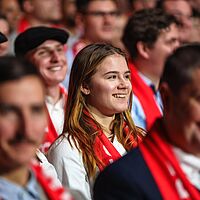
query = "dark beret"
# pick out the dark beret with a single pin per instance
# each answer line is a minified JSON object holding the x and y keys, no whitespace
{"x":3,"y":38}
{"x":33,"y":37}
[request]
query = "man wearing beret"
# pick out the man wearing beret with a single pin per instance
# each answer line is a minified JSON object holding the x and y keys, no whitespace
{"x":45,"y":48}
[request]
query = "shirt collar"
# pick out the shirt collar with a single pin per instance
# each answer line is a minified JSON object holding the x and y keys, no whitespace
{"x":145,"y":79}
{"x":190,"y":165}
{"x":12,"y":188}
{"x":32,"y":186}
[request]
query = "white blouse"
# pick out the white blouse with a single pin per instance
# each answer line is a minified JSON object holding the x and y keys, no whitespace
{"x":68,"y":163}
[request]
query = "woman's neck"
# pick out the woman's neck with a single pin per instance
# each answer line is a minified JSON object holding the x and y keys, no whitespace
{"x":103,"y":120}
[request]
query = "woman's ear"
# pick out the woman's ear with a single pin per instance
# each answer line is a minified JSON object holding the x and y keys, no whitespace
{"x":85,"y":89}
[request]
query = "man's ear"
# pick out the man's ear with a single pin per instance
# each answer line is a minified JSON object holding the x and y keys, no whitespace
{"x":85,"y":89}
{"x":166,"y":95}
{"x":143,"y":50}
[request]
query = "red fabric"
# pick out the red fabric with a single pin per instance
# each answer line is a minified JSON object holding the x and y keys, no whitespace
{"x":105,"y":150}
{"x":51,"y":133}
{"x":145,"y":95}
{"x":25,"y":24}
{"x":169,"y":177}
{"x":78,"y":46}
{"x":103,"y":147}
{"x":52,"y":192}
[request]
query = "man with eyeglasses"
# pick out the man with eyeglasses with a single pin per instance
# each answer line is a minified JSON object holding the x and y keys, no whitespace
{"x":98,"y":21}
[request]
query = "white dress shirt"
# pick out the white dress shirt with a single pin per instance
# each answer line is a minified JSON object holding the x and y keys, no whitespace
{"x":56,"y":112}
{"x":190,"y":165}
{"x":68,"y":163}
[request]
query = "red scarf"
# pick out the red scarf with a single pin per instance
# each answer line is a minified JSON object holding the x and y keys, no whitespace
{"x":145,"y":95}
{"x":165,"y":168}
{"x":103,"y":147}
{"x":25,"y":24}
{"x":52,"y":192}
{"x":51,"y":133}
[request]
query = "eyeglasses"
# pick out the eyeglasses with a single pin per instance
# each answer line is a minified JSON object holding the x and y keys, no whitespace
{"x":102,"y":13}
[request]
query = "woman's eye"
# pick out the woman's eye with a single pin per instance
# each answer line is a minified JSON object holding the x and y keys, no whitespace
{"x":112,"y":77}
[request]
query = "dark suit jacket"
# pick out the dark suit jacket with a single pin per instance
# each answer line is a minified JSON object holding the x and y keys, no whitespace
{"x":127,"y":179}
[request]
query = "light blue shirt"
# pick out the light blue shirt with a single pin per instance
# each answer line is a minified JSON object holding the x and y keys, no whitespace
{"x":12,"y":191}
{"x":137,"y":111}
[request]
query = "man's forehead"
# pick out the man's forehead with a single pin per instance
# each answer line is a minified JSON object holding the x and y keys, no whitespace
{"x":92,"y":4}
{"x":24,"y":85}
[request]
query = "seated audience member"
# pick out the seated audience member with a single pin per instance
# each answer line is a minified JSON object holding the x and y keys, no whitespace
{"x":98,"y":126}
{"x":167,"y":163}
{"x":22,"y":126}
{"x":149,"y":37}
{"x":44,"y":47}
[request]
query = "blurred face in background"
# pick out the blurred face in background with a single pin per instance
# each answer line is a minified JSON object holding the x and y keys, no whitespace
{"x":46,"y":10}
{"x":182,"y":114}
{"x":22,"y":120}
{"x":100,"y":20}
{"x":11,"y":10}
{"x":182,"y":10}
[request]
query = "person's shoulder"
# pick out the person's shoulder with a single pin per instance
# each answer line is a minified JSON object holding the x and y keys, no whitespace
{"x":63,"y":145}
{"x":129,"y":177}
{"x":125,"y":164}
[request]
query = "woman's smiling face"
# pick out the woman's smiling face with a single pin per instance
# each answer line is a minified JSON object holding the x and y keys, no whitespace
{"x":109,"y":89}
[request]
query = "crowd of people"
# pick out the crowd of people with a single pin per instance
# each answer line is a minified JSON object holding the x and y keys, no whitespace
{"x":99,"y":99}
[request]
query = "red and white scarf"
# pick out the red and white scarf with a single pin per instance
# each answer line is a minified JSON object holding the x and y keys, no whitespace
{"x":51,"y":133}
{"x":145,"y":95}
{"x":103,"y":147}
{"x":52,"y":192}
{"x":165,"y":168}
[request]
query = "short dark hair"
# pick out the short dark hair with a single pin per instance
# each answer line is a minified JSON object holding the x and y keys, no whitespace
{"x":12,"y":68}
{"x":145,"y":26}
{"x":179,"y":66}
